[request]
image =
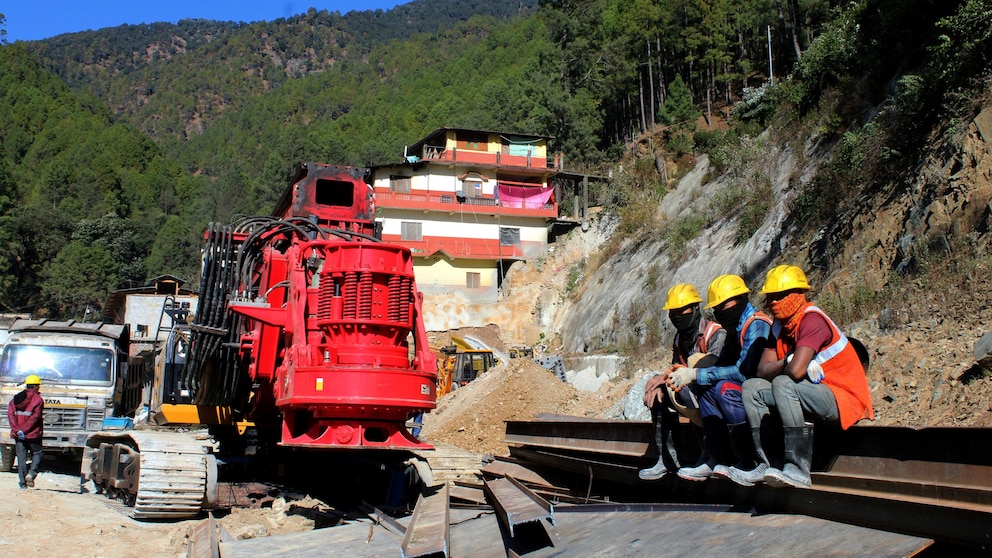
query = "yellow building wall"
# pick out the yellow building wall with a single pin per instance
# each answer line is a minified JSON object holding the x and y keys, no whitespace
{"x":495,"y":144}
{"x":440,"y":271}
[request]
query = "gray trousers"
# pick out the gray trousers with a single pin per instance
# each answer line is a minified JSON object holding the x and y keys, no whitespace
{"x":794,"y":402}
{"x":24,"y":447}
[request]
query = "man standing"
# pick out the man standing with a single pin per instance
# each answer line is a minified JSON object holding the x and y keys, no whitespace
{"x":693,"y":335}
{"x":27,"y":428}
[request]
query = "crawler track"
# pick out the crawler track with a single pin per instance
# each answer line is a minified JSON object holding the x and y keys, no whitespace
{"x":163,"y":475}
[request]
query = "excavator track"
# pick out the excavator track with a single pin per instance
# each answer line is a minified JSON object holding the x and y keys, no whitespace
{"x":161,"y":475}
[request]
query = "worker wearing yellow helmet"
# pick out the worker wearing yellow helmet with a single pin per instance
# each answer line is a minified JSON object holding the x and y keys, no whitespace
{"x":27,"y":426}
{"x":810,"y":372}
{"x":695,"y":337}
{"x":718,"y":387}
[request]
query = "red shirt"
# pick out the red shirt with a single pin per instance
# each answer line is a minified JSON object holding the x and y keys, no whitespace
{"x":814,"y":332}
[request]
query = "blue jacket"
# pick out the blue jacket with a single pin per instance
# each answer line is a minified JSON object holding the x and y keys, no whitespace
{"x":752,"y":343}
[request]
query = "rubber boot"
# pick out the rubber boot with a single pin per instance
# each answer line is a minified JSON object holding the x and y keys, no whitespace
{"x":664,"y":439}
{"x":712,"y":454}
{"x":743,"y":449}
{"x":798,"y":454}
{"x":704,"y":452}
{"x":756,"y":473}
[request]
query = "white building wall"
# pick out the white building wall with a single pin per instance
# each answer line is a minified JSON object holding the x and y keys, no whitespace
{"x":146,"y":309}
{"x":443,"y":182}
{"x":461,"y":225}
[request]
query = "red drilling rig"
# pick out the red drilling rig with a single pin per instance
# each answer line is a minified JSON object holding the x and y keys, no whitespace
{"x":308,"y":327}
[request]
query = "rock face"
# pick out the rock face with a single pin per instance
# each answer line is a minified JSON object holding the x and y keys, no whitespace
{"x":925,"y":368}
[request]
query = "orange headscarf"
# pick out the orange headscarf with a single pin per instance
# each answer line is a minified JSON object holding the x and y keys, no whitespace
{"x":789,"y":311}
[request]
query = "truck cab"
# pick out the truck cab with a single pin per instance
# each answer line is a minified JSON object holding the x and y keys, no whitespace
{"x":85,"y":374}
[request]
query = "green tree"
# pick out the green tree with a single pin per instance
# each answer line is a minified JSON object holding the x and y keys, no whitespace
{"x":80,"y":277}
{"x":125,"y":242}
{"x":678,"y":107}
{"x":30,"y":238}
{"x":176,"y":251}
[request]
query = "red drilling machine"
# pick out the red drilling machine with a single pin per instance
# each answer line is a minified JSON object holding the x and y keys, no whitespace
{"x":308,"y":330}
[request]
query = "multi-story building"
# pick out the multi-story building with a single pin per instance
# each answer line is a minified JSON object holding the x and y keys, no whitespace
{"x":468,"y":203}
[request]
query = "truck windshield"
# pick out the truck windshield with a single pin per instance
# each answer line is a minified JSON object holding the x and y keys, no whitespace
{"x":55,"y":364}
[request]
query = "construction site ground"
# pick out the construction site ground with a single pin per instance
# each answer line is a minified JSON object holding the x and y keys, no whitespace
{"x":56,"y":519}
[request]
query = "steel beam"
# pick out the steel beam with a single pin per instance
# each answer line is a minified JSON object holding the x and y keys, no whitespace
{"x":515,"y":504}
{"x":427,"y":534}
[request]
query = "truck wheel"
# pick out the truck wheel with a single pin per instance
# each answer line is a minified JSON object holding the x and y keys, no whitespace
{"x":6,"y":458}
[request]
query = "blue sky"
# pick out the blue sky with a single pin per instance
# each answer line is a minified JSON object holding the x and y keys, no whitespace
{"x":29,"y":20}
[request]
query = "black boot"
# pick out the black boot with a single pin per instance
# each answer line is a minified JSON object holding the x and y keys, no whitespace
{"x":714,"y":451}
{"x":798,"y":454}
{"x":665,"y":425}
{"x":749,"y":473}
{"x":742,"y":448}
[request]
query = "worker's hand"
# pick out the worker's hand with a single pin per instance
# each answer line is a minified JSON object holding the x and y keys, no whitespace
{"x":681,"y":378}
{"x":652,"y":390}
{"x":814,"y":372}
{"x":20,"y":434}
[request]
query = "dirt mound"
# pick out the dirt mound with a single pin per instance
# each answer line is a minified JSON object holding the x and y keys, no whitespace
{"x":472,"y":417}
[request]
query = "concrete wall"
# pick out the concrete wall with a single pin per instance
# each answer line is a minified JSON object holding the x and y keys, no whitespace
{"x":142,"y":309}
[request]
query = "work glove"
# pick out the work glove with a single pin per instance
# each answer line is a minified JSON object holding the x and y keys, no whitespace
{"x":681,"y":377}
{"x":20,"y":434}
{"x":813,"y":370}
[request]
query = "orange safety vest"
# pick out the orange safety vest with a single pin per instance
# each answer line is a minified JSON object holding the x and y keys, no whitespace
{"x":758,"y":315}
{"x":842,"y":371}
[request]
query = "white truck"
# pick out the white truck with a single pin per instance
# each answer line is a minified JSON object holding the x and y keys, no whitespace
{"x":87,"y":379}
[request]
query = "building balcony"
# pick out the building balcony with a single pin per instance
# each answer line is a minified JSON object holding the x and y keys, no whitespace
{"x":452,"y":203}
{"x":438,"y":153}
{"x":463,"y":248}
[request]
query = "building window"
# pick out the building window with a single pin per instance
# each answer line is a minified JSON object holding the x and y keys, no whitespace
{"x":509,"y":236}
{"x":410,"y":231}
{"x":472,"y":141}
{"x":473,"y":280}
{"x":399,"y":184}
{"x":472,"y":188}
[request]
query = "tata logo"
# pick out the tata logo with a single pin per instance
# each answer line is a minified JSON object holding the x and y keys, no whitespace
{"x":53,"y":401}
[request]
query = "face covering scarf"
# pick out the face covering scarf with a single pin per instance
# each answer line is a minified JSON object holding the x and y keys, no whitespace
{"x":730,"y":317}
{"x":788,"y":310}
{"x":688,"y":327}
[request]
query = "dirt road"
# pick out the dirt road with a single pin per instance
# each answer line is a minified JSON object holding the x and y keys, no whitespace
{"x":55,"y":519}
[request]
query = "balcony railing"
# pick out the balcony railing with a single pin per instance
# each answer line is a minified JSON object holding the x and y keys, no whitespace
{"x":439,"y":153}
{"x":451,"y":202}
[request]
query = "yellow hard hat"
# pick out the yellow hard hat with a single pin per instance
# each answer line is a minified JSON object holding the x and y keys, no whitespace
{"x":724,"y":288}
{"x":681,"y":295}
{"x":784,"y":278}
{"x":32,"y":380}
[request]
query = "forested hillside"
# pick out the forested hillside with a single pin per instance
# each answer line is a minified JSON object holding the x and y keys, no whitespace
{"x":119,"y":145}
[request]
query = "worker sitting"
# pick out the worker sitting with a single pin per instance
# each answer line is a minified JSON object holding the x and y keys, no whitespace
{"x":809,"y":372}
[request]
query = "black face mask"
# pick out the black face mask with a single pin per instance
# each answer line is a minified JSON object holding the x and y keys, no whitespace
{"x":687,"y":324}
{"x":730,"y":317}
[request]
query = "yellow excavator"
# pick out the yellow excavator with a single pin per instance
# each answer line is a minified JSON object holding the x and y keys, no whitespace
{"x":460,"y":363}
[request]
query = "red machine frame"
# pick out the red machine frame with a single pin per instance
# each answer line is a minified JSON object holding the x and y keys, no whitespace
{"x":335,"y":328}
